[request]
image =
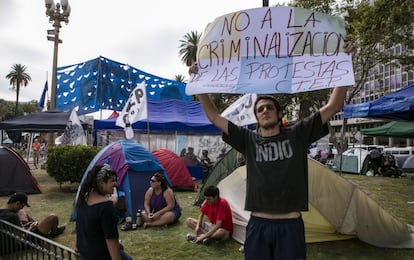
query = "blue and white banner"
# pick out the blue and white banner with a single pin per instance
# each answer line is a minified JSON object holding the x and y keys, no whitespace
{"x":134,"y":110}
{"x":73,"y":130}
{"x":241,"y":112}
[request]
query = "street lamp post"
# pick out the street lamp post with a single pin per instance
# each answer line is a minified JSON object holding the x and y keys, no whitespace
{"x":57,"y":13}
{"x":353,"y":132}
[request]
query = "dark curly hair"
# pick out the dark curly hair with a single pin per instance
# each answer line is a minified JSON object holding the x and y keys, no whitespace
{"x":161,"y":178}
{"x":275,"y":102}
{"x":212,"y":191}
{"x":97,"y":175}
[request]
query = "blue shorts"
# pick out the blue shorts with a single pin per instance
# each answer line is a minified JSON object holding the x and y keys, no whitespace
{"x":177,"y":215}
{"x":275,"y":239}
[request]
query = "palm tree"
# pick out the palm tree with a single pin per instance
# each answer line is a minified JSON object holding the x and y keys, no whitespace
{"x":188,"y":47}
{"x":17,"y":77}
{"x":179,"y":78}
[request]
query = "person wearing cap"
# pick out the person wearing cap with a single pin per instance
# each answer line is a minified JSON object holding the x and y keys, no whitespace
{"x":15,"y":214}
{"x":9,"y":213}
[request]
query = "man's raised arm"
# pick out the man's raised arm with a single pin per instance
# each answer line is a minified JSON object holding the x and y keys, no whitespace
{"x":212,"y":112}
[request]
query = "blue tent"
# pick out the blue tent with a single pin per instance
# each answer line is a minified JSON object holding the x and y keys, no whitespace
{"x":134,"y":165}
{"x":396,"y":105}
{"x":168,"y":116}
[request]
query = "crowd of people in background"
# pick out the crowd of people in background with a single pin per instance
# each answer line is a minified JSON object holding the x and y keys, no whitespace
{"x":324,"y":156}
{"x":38,"y":151}
{"x":383,"y":165}
{"x":191,"y":159}
{"x":377,"y":163}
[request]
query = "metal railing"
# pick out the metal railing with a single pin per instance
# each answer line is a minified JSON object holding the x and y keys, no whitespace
{"x":18,"y":243}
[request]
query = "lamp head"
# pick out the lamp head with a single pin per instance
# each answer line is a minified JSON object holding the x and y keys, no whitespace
{"x":66,"y":13}
{"x":64,"y":3}
{"x":50,"y":7}
{"x":48,"y":3}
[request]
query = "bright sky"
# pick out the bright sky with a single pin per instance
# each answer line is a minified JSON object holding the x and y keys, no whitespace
{"x":143,"y":34}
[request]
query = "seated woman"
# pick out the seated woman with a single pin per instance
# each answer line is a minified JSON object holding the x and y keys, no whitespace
{"x":161,"y":207}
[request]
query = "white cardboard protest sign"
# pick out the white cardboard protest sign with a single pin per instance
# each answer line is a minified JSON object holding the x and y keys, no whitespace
{"x":272,"y":50}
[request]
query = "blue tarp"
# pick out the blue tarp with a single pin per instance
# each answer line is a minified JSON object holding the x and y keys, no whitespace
{"x":168,"y":116}
{"x":102,"y":83}
{"x":397,"y":105}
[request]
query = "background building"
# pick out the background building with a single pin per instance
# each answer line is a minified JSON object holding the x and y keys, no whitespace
{"x":382,"y":79}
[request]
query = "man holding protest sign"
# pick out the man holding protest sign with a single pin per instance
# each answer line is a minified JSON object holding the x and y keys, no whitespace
{"x":277,"y":180}
{"x":276,"y":159}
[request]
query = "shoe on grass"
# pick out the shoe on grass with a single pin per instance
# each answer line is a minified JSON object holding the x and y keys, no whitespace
{"x":59,"y":230}
{"x":207,"y":241}
{"x":126,"y":227}
{"x":190,"y":237}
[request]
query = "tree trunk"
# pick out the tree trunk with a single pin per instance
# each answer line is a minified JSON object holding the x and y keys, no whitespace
{"x":17,"y":97}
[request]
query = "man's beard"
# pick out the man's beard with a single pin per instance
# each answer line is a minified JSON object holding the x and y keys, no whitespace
{"x":269,"y":125}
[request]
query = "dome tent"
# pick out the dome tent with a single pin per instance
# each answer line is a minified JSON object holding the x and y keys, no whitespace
{"x":15,"y":174}
{"x":176,"y":169}
{"x":134,"y":165}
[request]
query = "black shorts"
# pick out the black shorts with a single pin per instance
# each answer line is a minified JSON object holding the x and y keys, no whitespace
{"x":35,"y":230}
{"x":275,"y":239}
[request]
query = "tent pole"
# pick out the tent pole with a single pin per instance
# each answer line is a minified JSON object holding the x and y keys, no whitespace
{"x":148,"y":135}
{"x":176,"y":142}
{"x":100,"y":88}
{"x":344,"y":124}
{"x":29,"y":149}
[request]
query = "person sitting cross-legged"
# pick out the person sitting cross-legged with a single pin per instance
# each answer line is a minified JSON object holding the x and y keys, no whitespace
{"x":161,"y":206}
{"x":219,"y":214}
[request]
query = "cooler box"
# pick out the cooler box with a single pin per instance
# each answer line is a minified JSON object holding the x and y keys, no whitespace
{"x":196,"y":172}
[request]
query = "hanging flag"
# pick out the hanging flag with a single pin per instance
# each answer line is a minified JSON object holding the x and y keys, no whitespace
{"x":73,"y":130}
{"x":134,"y":110}
{"x":113,"y":115}
{"x":41,"y":103}
{"x":241,"y":111}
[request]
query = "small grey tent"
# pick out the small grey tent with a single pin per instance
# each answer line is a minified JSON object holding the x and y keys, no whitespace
{"x":408,"y":165}
{"x":354,"y":160}
{"x":15,"y":174}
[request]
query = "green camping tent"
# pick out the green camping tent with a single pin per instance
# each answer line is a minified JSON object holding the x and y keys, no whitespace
{"x":224,"y":167}
{"x":392,"y":129}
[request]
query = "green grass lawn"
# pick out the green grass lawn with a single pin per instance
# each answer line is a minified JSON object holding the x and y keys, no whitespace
{"x":169,"y":242}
